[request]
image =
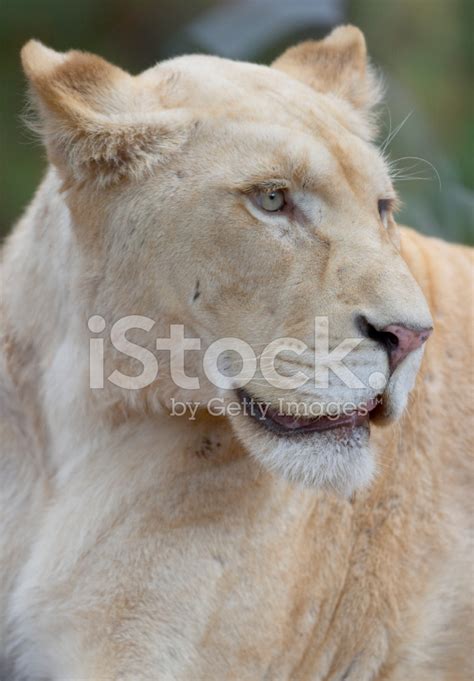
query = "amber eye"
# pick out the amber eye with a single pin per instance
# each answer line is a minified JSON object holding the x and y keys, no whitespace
{"x":384,"y":206}
{"x":272,"y":201}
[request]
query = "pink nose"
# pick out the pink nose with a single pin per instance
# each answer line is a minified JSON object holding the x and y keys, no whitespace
{"x":401,"y":340}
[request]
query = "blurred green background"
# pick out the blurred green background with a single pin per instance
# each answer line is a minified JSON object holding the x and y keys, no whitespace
{"x":423,"y":48}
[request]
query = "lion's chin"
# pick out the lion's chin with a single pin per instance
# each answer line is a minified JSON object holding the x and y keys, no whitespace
{"x":338,"y":459}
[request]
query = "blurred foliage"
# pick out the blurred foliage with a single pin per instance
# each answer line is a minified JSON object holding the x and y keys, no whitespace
{"x":423,"y":47}
{"x":425,"y":50}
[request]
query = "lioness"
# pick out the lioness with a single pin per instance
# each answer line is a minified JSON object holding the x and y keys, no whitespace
{"x":138,"y":543}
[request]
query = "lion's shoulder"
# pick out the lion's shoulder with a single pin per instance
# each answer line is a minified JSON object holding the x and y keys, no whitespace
{"x":443,"y":270}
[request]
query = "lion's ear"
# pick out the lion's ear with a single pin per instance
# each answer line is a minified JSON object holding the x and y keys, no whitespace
{"x":338,"y":64}
{"x":91,"y":118}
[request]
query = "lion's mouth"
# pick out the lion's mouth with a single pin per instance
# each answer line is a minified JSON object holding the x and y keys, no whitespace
{"x":281,"y":423}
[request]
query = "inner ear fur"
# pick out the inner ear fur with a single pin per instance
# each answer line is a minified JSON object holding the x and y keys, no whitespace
{"x":338,"y":65}
{"x":90,"y":119}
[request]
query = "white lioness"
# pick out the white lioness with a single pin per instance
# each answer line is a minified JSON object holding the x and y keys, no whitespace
{"x":243,"y":202}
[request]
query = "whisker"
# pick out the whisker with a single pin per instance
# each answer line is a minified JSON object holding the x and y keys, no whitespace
{"x":411,"y":179}
{"x":423,"y":160}
{"x":392,"y":134}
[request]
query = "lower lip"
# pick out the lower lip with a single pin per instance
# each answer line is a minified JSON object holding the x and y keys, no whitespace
{"x":282,"y":424}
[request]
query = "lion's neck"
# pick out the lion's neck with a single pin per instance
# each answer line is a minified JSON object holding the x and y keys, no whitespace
{"x":45,"y":326}
{"x":37,"y":271}
{"x":39,"y":307}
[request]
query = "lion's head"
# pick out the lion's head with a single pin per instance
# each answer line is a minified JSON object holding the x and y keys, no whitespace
{"x":245,"y":202}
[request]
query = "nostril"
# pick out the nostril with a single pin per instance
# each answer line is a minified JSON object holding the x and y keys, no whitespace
{"x":385,"y":338}
{"x":397,"y":339}
{"x":390,"y":338}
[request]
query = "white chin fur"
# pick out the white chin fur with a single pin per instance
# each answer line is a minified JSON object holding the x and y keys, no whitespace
{"x":332,"y":460}
{"x":400,"y":385}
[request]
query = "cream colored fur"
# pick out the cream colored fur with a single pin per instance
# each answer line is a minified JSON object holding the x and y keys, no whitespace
{"x":136,"y":546}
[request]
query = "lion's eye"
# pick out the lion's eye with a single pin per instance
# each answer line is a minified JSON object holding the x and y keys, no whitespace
{"x":384,"y":206}
{"x":272,"y":201}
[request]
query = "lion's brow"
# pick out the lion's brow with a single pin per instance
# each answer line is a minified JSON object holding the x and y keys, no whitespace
{"x":263,"y":184}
